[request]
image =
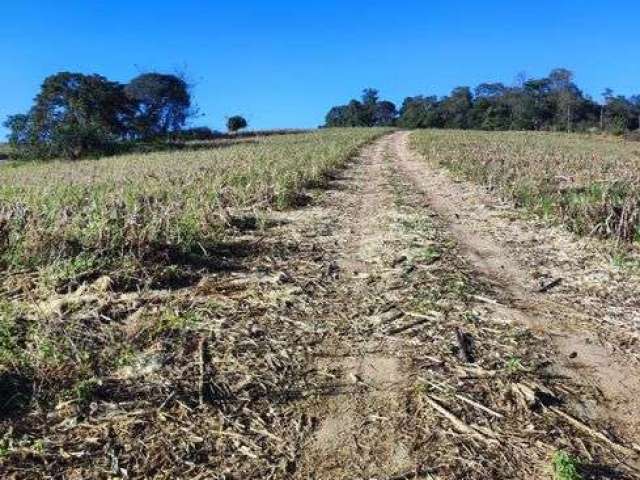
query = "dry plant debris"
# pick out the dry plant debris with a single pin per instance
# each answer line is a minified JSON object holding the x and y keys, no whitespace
{"x":350,"y":338}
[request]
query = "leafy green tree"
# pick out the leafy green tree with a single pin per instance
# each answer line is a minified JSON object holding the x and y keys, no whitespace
{"x":336,"y":117}
{"x":565,"y":95}
{"x":370,"y":96}
{"x":457,"y":107}
{"x":385,"y":114}
{"x":620,"y":114}
{"x":420,"y":112}
{"x":369,"y":112}
{"x":236,"y":123}
{"x":635,"y":102}
{"x":73,"y":115}
{"x":162,"y":104}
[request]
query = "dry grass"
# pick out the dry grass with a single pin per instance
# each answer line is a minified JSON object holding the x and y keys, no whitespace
{"x":136,"y":310}
{"x":590,"y":184}
{"x":136,"y":203}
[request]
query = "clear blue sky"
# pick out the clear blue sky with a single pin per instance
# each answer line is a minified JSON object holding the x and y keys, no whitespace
{"x":284,"y":63}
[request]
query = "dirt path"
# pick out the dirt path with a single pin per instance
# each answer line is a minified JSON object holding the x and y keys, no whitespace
{"x":410,"y":264}
{"x":359,"y":432}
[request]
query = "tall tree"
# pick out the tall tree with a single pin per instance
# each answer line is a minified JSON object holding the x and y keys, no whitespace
{"x":162,"y":102}
{"x":420,"y":112}
{"x":73,"y":114}
{"x":566,"y":95}
{"x":456,"y":107}
{"x":369,"y":112}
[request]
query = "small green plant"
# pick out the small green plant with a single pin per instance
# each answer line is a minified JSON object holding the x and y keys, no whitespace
{"x":565,"y":466}
{"x":8,"y":347}
{"x":47,"y":351}
{"x":470,"y":317}
{"x":38,"y":446}
{"x":430,"y":254}
{"x":6,"y":444}
{"x":623,"y":261}
{"x":64,"y":270}
{"x":514,"y":365}
{"x":125,"y":357}
{"x":174,"y":321}
{"x":85,"y":390}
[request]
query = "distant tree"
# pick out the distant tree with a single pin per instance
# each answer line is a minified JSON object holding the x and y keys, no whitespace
{"x":21,"y":129}
{"x":195,"y":133}
{"x":420,"y":112}
{"x":162,"y":104}
{"x":385,"y":114}
{"x":635,"y":102}
{"x":370,"y":96}
{"x":236,"y":123}
{"x":621,"y":114}
{"x":565,"y":95}
{"x":607,"y":94}
{"x":456,"y":108}
{"x":369,"y":112}
{"x":73,"y":115}
{"x":490,"y":90}
{"x":336,"y":117}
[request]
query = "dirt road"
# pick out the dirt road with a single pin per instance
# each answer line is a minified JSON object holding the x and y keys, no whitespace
{"x":424,"y":267}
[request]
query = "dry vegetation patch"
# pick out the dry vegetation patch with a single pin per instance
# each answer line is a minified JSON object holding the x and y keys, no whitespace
{"x":171,"y":200}
{"x":589,"y":183}
{"x":139,"y":334}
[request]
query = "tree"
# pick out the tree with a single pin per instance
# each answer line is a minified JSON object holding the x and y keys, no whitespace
{"x":635,"y":102}
{"x":456,"y":107}
{"x":236,"y":123}
{"x":420,"y":112}
{"x":385,"y":114}
{"x":565,"y":94}
{"x":370,"y":96}
{"x":370,"y":112}
{"x":162,"y":104}
{"x":620,"y":114}
{"x":73,"y":115}
{"x":336,"y":117}
{"x":490,"y":90}
{"x":607,"y":94}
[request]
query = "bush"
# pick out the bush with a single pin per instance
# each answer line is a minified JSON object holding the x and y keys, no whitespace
{"x":195,"y":133}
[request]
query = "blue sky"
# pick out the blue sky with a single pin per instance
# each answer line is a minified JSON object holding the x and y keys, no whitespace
{"x":284,"y":63}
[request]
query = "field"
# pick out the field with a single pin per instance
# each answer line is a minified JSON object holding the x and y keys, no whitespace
{"x":330,"y":305}
{"x":588,"y":183}
{"x":139,"y":204}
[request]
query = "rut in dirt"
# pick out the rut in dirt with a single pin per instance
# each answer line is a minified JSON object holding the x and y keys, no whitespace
{"x":427,"y":377}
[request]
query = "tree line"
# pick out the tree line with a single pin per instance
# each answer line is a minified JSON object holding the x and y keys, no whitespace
{"x":553,"y":103}
{"x":75,"y":115}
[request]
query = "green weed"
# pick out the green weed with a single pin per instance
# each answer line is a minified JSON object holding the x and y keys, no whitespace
{"x":514,"y":365}
{"x":565,"y":466}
